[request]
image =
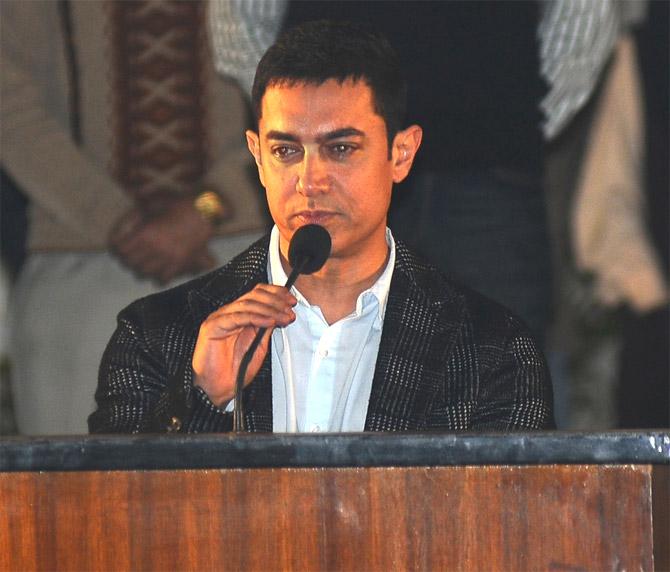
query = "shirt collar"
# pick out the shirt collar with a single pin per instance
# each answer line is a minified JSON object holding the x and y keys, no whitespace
{"x":380,"y":289}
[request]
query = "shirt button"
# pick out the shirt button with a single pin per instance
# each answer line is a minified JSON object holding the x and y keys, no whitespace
{"x":323,"y":353}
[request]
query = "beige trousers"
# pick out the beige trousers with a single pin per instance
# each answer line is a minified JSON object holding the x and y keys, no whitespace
{"x":63,"y":312}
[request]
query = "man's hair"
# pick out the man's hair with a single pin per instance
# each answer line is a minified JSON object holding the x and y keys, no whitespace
{"x":315,"y":52}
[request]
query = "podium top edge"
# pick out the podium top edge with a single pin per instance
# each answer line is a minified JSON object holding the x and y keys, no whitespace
{"x":218,"y":451}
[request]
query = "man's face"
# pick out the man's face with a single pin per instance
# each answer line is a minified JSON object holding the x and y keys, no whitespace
{"x":322,"y":156}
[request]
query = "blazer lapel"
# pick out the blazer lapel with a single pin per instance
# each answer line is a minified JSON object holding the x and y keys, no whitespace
{"x":228,"y":284}
{"x":420,"y":328}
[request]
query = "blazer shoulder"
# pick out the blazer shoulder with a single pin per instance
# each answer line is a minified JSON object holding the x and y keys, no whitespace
{"x":202,"y":295}
{"x":484,"y":315}
{"x":423,"y":278}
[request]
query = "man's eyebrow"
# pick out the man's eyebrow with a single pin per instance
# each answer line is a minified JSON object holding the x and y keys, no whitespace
{"x":280,"y":135}
{"x":336,"y":134}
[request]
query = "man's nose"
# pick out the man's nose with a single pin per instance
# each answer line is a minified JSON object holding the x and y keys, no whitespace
{"x":313,"y":175}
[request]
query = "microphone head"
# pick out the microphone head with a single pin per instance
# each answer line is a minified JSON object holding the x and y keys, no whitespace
{"x":309,"y":248}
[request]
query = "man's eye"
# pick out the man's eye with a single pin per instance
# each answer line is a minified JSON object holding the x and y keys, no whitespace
{"x":341,"y":149}
{"x":283,"y":152}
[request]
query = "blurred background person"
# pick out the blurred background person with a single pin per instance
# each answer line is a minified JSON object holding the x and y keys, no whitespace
{"x":129,"y":148}
{"x":606,"y":266}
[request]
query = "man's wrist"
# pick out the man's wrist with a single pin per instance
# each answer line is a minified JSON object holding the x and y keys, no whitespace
{"x":199,"y":383}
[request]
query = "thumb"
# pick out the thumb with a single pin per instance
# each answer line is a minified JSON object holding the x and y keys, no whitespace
{"x":125,"y":227}
{"x":204,"y":261}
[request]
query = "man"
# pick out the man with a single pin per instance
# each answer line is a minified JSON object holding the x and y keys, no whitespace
{"x":376,"y":340}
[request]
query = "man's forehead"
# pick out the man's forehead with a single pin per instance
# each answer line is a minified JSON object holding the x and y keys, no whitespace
{"x":285,"y":96}
{"x":284,"y":101}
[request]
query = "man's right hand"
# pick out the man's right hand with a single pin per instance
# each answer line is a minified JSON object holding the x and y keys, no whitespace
{"x":165,"y":241}
{"x":227,"y":333}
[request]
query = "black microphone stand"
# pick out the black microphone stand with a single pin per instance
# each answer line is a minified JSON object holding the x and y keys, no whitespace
{"x":238,"y":411}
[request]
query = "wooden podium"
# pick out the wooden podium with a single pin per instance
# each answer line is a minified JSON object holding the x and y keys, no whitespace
{"x":543,"y":501}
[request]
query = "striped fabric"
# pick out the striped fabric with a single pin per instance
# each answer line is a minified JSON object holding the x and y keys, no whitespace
{"x":576,"y":42}
{"x":577,"y":38}
{"x":241,"y":31}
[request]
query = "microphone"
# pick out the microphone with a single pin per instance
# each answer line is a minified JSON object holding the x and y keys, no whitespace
{"x":308,"y":251}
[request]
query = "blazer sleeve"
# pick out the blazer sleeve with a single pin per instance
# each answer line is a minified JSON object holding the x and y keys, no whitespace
{"x":515,"y":391}
{"x":145,"y":382}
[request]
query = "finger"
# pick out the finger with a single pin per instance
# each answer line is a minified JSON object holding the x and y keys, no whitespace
{"x":264,"y":306}
{"x":281,"y":313}
{"x":128,"y":225}
{"x":133,"y":246}
{"x":246,"y":337}
{"x":270,"y":294}
{"x":169,"y":272}
{"x":146,"y":264}
{"x":143,"y":254}
{"x":233,"y":323}
{"x":150,"y":273}
{"x":179,"y":266}
{"x":204,"y":261}
{"x":143,"y":261}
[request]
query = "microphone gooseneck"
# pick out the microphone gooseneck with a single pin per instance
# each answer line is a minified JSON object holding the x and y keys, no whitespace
{"x":307,"y":253}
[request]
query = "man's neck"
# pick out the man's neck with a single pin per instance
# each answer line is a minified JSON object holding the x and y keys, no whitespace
{"x":336,"y":293}
{"x":336,"y":287}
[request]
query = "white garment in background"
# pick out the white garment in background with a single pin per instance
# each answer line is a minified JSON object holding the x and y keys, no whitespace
{"x":61,"y":327}
{"x":610,"y":236}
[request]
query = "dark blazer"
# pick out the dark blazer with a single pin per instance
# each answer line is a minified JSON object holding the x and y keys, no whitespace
{"x":449,"y":359}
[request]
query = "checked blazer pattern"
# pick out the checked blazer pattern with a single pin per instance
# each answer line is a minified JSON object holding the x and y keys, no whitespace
{"x":449,"y":359}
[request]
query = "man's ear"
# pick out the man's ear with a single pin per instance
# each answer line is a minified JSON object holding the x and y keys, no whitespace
{"x":254,"y":145}
{"x":405,"y":145}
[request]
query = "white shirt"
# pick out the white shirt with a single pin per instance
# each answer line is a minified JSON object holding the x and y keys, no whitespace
{"x":322,"y":374}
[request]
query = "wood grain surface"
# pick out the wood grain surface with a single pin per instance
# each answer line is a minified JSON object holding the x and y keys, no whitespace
{"x":562,"y":518}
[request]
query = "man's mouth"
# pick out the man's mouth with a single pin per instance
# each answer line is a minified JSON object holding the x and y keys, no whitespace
{"x":315,"y":216}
